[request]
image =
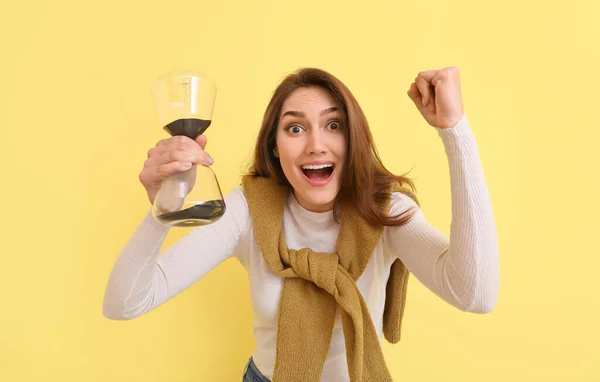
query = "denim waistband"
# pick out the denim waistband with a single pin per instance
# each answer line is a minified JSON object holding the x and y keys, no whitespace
{"x":252,"y":374}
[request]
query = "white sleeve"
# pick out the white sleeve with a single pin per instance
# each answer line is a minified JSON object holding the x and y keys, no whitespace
{"x":464,"y":269}
{"x":142,"y":278}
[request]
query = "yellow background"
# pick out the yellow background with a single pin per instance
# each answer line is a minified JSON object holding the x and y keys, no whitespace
{"x":77,"y":120}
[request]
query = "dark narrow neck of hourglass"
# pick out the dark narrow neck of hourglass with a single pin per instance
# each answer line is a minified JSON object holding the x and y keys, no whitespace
{"x":190,"y":127}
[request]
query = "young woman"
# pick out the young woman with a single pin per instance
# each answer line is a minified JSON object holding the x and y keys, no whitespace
{"x":327,"y":234}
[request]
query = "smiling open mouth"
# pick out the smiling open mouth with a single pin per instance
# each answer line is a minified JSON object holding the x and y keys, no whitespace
{"x":318,"y":174}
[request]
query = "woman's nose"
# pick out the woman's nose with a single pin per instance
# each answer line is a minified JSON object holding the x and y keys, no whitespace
{"x":316,"y":142}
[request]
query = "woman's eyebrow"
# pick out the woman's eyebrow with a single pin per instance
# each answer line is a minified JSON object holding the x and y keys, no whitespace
{"x":294,"y":113}
{"x":300,"y":114}
{"x":328,"y":111}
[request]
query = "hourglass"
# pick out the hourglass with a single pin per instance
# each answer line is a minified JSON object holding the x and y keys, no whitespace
{"x":184,"y":101}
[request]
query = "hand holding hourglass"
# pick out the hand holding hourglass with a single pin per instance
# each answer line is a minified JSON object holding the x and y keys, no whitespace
{"x":170,"y":156}
{"x":183,"y":196}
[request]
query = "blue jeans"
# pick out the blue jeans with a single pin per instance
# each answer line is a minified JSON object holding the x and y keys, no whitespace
{"x":251,"y":373}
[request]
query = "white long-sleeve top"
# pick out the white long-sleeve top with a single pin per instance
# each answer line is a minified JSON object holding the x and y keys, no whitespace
{"x":463,"y":270}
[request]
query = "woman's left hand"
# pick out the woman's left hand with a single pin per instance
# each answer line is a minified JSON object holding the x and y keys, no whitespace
{"x":437,"y":95}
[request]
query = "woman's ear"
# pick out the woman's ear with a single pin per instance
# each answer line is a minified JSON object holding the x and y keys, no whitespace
{"x":276,"y":152}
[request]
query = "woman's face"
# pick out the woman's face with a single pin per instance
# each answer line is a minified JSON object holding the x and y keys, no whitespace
{"x":311,"y":146}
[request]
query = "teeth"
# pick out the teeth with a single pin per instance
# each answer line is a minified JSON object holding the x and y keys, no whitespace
{"x":316,"y":166}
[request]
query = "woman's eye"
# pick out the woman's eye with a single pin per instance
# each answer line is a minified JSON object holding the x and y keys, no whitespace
{"x":295,"y":129}
{"x":334,"y":125}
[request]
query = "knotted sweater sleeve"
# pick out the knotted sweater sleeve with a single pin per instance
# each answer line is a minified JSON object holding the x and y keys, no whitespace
{"x":463,"y":269}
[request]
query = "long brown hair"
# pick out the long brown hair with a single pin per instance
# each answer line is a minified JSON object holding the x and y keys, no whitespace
{"x":365,"y":182}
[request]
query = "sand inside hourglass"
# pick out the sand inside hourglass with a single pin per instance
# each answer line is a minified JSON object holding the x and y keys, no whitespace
{"x":190,"y":127}
{"x":196,"y":215}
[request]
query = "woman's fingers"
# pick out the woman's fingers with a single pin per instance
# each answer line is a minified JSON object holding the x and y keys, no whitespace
{"x":415,"y":95}
{"x":426,"y":90}
{"x":165,"y":170}
{"x":201,"y":140}
{"x":179,"y":142}
{"x":196,"y":157}
{"x":181,"y":148}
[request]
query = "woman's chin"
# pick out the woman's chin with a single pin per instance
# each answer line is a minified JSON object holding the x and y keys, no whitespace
{"x":316,"y":199}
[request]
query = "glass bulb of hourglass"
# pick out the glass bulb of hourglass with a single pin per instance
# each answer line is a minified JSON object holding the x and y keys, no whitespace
{"x":184,"y":101}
